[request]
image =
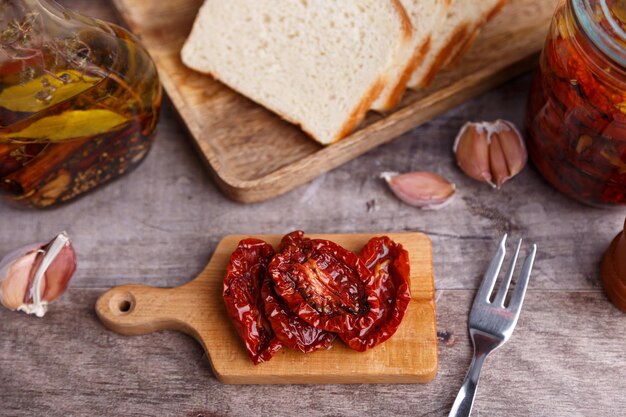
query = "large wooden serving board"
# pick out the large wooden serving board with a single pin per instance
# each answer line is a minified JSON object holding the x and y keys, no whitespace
{"x":254,"y":155}
{"x":197,"y":309}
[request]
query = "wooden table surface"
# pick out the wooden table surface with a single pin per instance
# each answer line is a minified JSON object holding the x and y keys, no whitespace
{"x":160,"y":225}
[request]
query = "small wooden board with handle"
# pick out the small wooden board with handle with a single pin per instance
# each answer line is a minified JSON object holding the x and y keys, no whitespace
{"x":197,"y":308}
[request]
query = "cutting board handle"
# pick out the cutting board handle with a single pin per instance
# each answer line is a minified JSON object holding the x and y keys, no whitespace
{"x":139,"y":309}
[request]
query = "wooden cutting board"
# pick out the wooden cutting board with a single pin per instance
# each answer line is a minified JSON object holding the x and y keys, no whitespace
{"x":197,"y":308}
{"x":254,"y":155}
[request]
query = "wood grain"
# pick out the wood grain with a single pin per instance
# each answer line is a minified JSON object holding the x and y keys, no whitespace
{"x":254,"y":155}
{"x":197,"y":308}
{"x":68,"y":364}
{"x":159,"y":226}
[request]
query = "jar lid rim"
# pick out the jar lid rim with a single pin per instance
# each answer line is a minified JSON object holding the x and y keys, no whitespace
{"x":603,"y":26}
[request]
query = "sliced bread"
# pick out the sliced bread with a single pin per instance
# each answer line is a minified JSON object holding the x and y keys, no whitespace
{"x":317,"y":63}
{"x":490,"y":10}
{"x":424,"y":15}
{"x":463,"y":19}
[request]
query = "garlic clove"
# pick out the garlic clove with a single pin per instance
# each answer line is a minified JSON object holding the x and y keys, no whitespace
{"x":424,"y":190}
{"x":12,"y":256}
{"x":472,"y":150}
{"x":15,"y":280}
{"x":59,"y":274}
{"x":513,"y":145}
{"x":497,"y":161}
{"x":34,"y":276}
{"x":496,"y":147}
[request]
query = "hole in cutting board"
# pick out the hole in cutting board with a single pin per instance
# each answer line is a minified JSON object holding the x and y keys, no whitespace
{"x":122,"y":303}
{"x":124,"y":306}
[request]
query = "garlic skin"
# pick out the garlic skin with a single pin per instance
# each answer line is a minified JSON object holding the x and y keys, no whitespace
{"x":423,"y":190}
{"x":491,"y":152}
{"x":34,"y":276}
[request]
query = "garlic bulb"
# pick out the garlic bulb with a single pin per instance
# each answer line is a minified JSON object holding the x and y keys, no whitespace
{"x":33,"y":276}
{"x":492,"y":152}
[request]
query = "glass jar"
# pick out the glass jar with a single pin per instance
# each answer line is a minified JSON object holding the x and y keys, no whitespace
{"x":79,"y":102}
{"x":576,"y":114}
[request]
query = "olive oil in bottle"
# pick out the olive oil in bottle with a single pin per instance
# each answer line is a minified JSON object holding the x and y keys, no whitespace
{"x":79,"y":102}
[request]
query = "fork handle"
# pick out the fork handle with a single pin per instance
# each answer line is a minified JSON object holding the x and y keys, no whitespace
{"x":462,"y":406}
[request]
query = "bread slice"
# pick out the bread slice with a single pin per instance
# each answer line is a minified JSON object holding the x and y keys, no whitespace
{"x":317,"y":63}
{"x":425,"y":15}
{"x":478,"y":25}
{"x":463,"y":19}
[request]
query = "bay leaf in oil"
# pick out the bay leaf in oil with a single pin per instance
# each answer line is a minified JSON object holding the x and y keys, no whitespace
{"x":29,"y":97}
{"x":68,"y":125}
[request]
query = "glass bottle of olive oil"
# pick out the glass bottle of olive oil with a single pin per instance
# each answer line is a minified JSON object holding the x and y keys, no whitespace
{"x":79,"y":102}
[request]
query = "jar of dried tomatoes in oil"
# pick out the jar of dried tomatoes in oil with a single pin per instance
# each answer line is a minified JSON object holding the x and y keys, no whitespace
{"x":576,"y":115}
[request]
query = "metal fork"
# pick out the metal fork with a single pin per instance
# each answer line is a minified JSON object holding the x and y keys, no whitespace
{"x":490,"y":322}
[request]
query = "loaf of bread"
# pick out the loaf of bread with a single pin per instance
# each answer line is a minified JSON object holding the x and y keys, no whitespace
{"x":316,"y":63}
{"x":322,"y":64}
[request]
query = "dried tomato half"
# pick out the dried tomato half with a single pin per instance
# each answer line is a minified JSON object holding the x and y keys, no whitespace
{"x":389,"y":262}
{"x":242,"y":295}
{"x":324,"y":284}
{"x":291,"y":330}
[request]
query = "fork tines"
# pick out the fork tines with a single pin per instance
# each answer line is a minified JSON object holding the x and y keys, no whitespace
{"x":489,"y":281}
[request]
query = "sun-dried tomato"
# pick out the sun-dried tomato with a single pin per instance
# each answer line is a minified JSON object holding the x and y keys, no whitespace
{"x":291,"y":330}
{"x":324,"y":284}
{"x":389,"y":263}
{"x":242,"y":295}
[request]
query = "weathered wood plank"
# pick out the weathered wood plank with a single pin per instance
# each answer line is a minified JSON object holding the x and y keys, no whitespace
{"x":565,"y":359}
{"x":160,"y":224}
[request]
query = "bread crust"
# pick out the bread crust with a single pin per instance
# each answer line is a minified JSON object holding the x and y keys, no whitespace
{"x":416,"y":60}
{"x":462,"y":47}
{"x":407,"y":27}
{"x":445,"y":6}
{"x":459,"y":34}
{"x":396,"y":95}
{"x":468,"y":42}
{"x":460,"y":42}
{"x":401,"y":83}
{"x":358,"y":114}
